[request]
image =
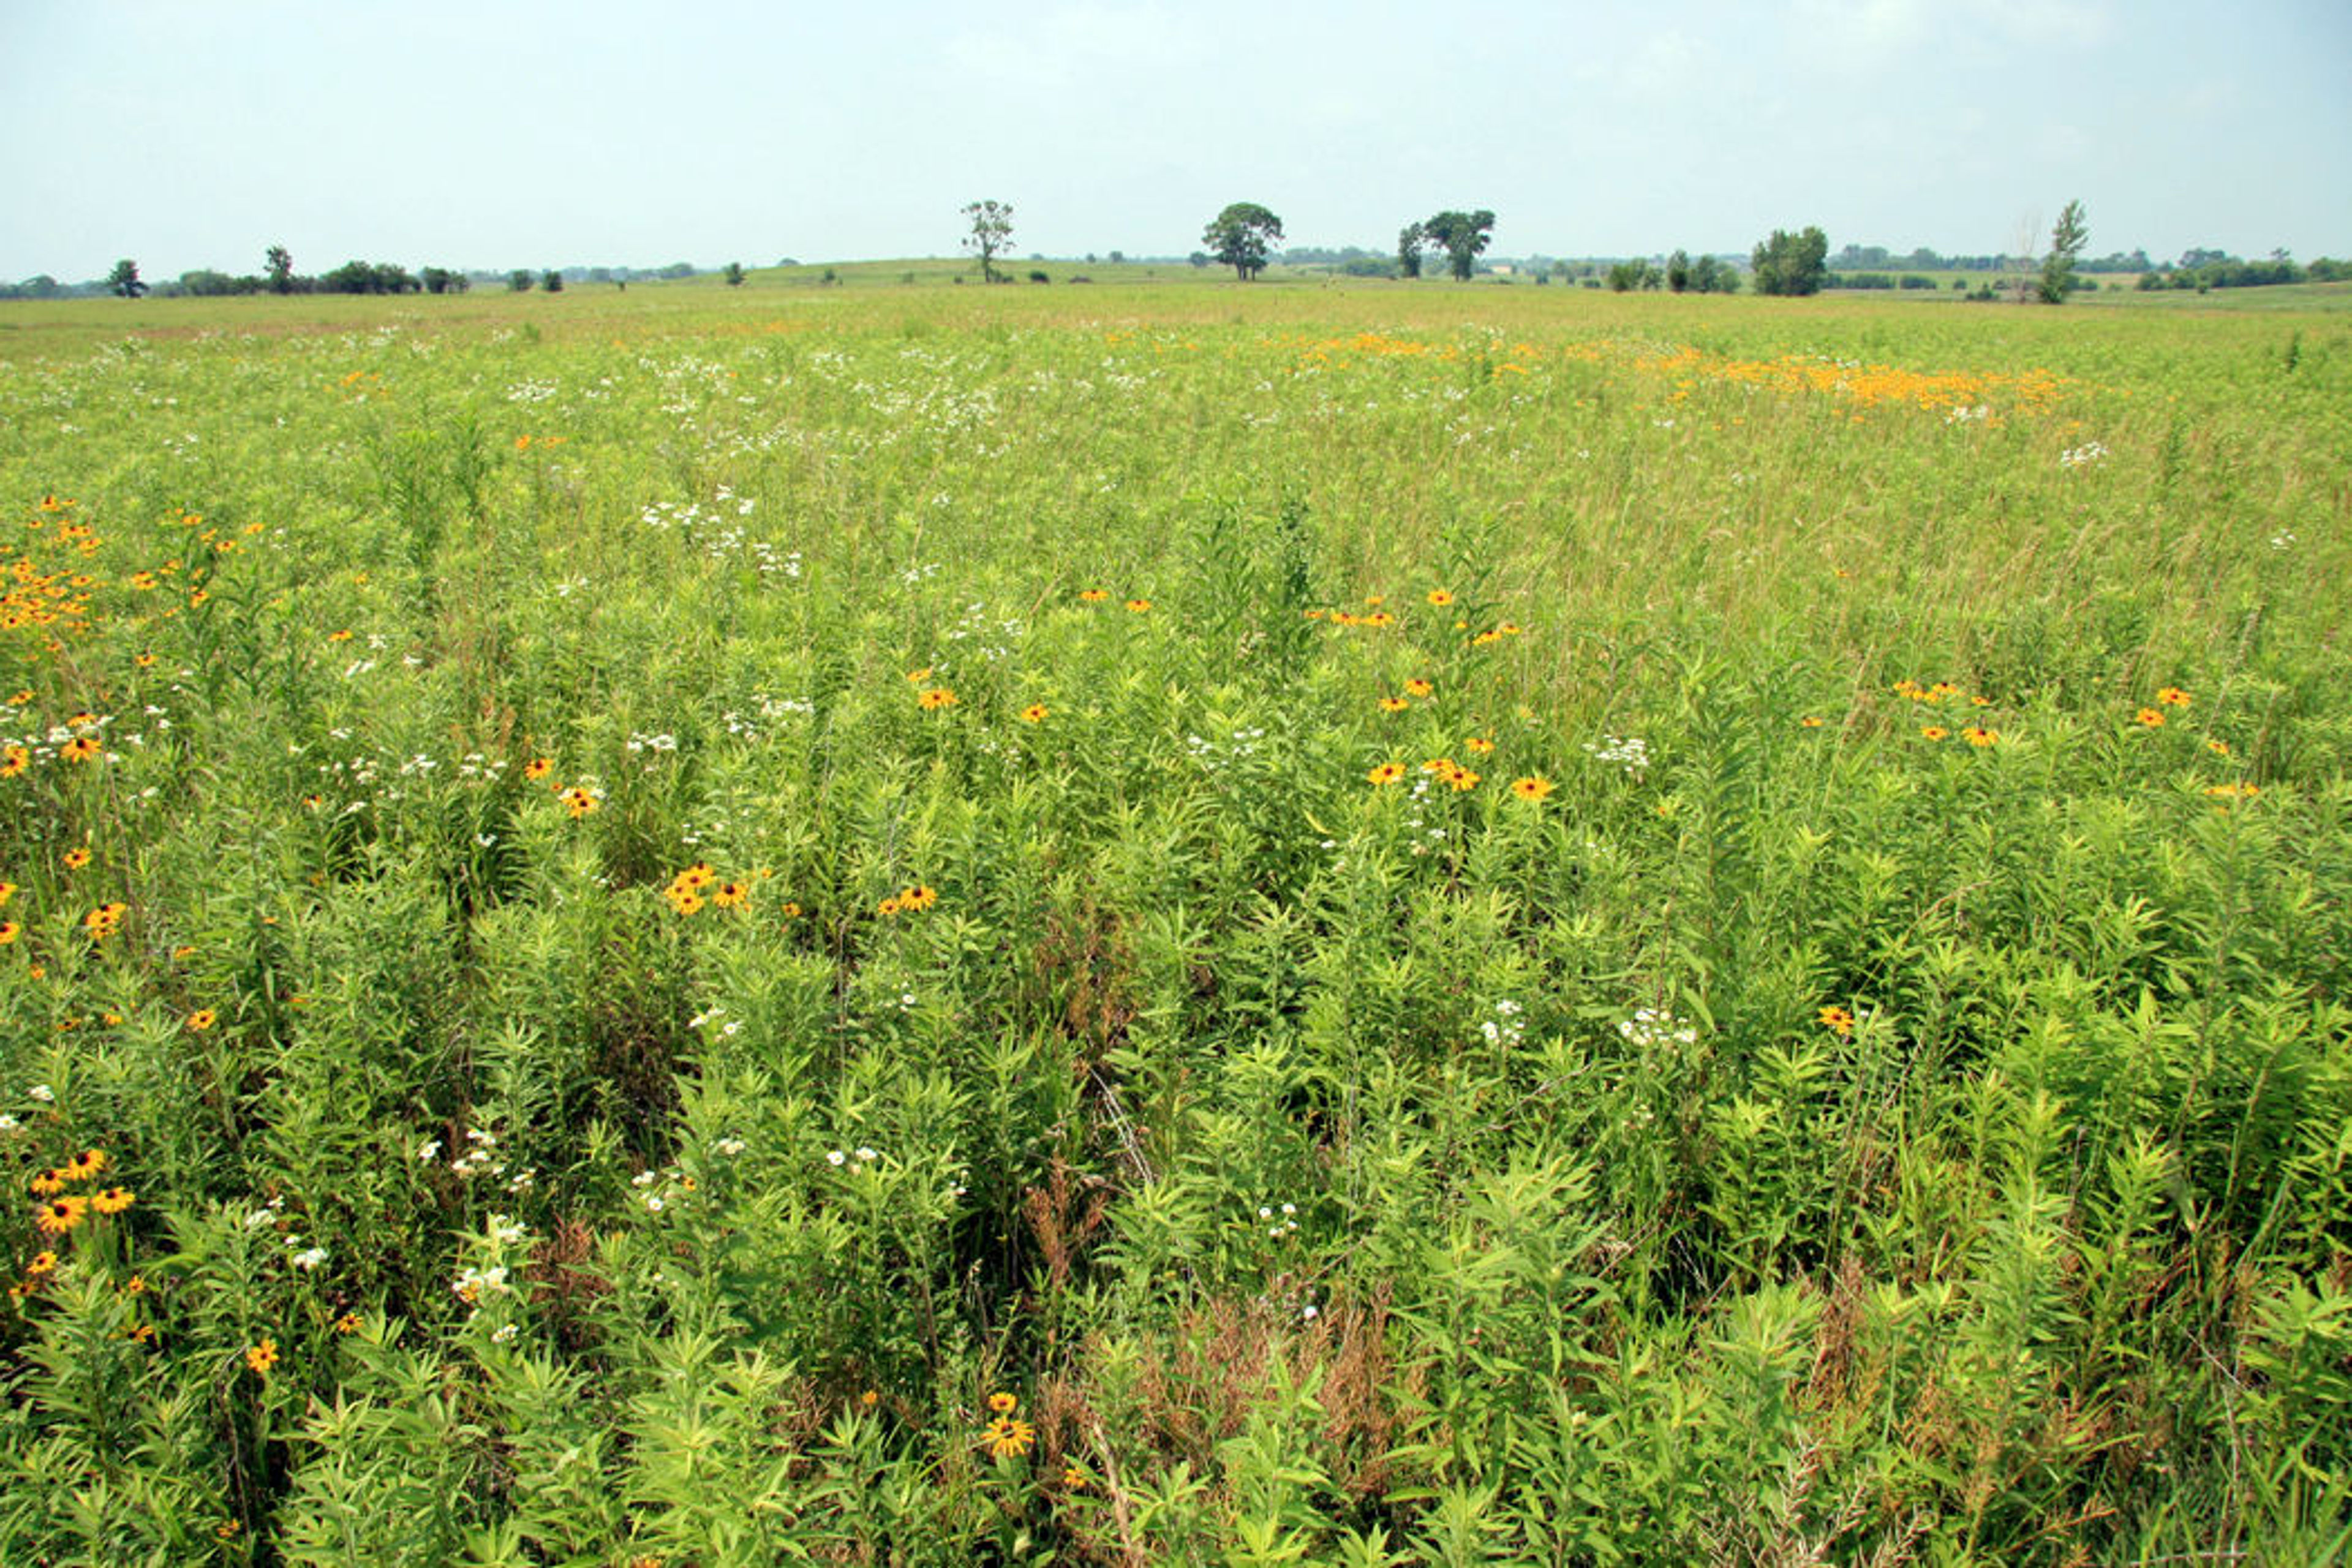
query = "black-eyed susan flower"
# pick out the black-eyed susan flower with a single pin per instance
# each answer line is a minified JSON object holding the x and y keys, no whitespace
{"x":1463,"y":780}
{"x":76,"y":858}
{"x":1440,"y":597}
{"x":1386,"y":774}
{"x":55,"y":1217}
{"x":9,"y":932}
{"x":916,"y":676}
{"x":260,"y":1358}
{"x":1003,"y":1404}
{"x":731,"y":895}
{"x":538,"y":768}
{"x":80,"y":748}
{"x":52,"y":1180}
{"x":1093,"y":596}
{"x":2173,"y":697}
{"x":2219,"y":748}
{"x":1933,"y":732}
{"x":1034,"y":715}
{"x":1139,"y":606}
{"x":200,"y":1020}
{"x":579,"y":800}
{"x":1976,"y":735}
{"x":887,"y":907}
{"x":2153,"y":717}
{"x":349,"y":1324}
{"x":918,"y":898}
{"x":1535,"y":786}
{"x":1478,"y":744}
{"x":935,"y":698}
{"x":1811,"y":722}
{"x":43,"y":1262}
{"x":13,"y":760}
{"x":1837,"y":1019}
{"x":113,"y":1200}
{"x":1393,"y":704}
{"x":1008,"y":1437}
{"x":87,"y":1163}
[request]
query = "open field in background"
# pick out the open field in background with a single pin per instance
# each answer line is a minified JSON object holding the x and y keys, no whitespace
{"x":1415,"y":924}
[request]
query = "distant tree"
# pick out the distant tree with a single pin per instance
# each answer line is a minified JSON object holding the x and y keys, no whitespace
{"x":1793,"y":263}
{"x":519,"y":282}
{"x":278,"y":265}
{"x":552,"y":280}
{"x":2066,"y":242}
{"x":734,"y":275}
{"x":1462,"y":235}
{"x":1410,"y":242}
{"x":990,"y":235}
{"x":1238,"y":238}
{"x":1678,"y":271}
{"x":124,"y":279}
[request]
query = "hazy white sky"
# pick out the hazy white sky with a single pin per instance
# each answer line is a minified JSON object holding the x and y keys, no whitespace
{"x":516,"y":133}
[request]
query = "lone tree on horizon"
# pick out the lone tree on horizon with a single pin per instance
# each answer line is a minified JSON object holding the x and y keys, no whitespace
{"x":990,"y":235}
{"x":1238,"y":236}
{"x":2066,"y":242}
{"x":1462,"y":235}
{"x":124,"y":279}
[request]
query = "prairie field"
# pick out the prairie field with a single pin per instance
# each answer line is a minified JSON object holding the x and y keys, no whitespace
{"x":1170,"y":923}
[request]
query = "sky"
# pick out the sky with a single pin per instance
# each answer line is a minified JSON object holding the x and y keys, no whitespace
{"x":503,"y":133}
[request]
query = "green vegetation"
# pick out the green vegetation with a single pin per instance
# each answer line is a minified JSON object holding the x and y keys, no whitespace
{"x":1164,"y":922}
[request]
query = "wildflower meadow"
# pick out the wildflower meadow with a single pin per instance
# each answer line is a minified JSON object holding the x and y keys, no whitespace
{"x":1170,"y":922}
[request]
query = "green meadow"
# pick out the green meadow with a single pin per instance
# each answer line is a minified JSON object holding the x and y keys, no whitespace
{"x":1163,"y":921}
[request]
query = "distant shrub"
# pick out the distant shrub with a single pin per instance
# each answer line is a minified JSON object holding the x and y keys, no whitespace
{"x":1037,"y":276}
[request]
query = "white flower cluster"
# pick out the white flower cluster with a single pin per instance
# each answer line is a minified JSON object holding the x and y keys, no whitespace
{"x":479,"y":1158}
{"x":766,"y":706}
{"x":1507,"y":1027}
{"x":2080,"y":456}
{"x":1212,"y":754}
{"x":1282,"y":1226}
{"x":992,"y":639}
{"x":837,"y":1158}
{"x":1962,"y":413}
{"x":471,"y":1285}
{"x":533,"y":391}
{"x":1628,"y":751}
{"x":719,"y":533}
{"x":1656,"y":1027}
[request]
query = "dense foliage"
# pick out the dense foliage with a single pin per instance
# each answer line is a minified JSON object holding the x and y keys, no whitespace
{"x":1176,"y":925}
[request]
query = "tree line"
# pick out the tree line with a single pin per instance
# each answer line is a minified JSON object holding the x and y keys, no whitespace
{"x":278,"y":276}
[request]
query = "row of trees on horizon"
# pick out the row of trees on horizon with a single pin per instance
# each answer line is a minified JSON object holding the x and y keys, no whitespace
{"x":1244,"y":237}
